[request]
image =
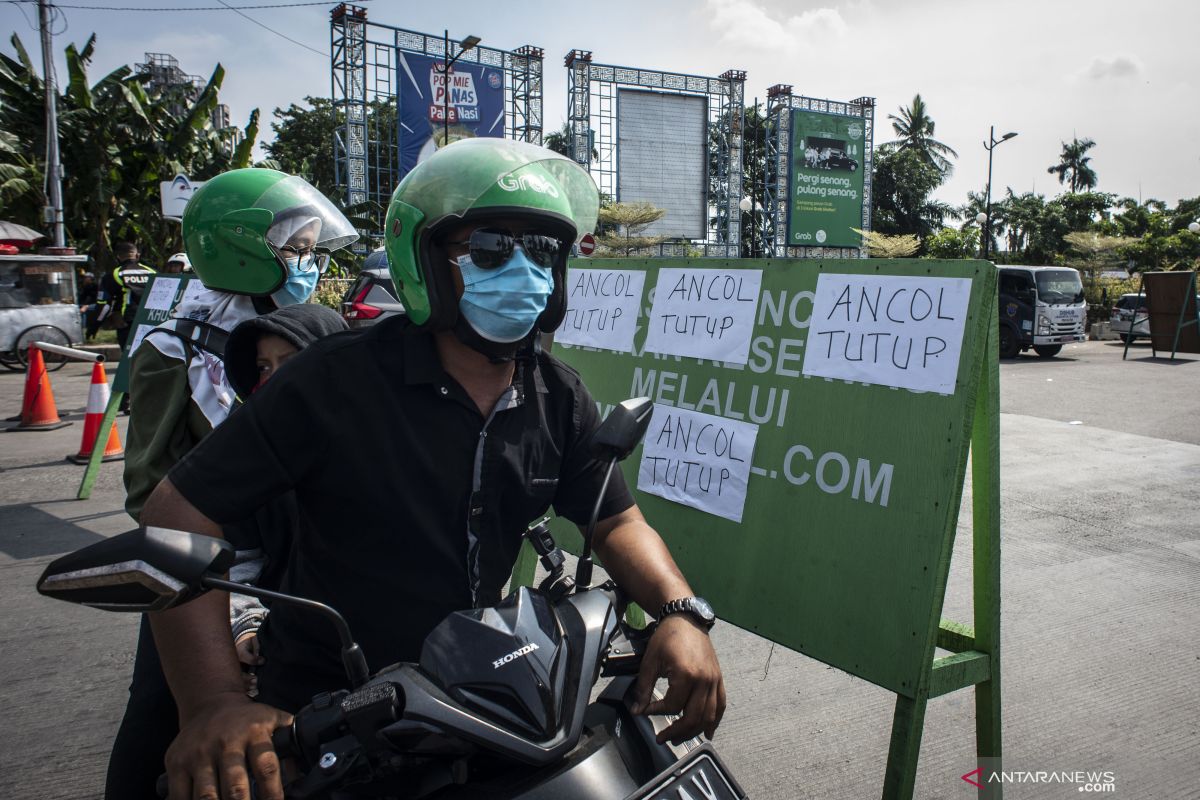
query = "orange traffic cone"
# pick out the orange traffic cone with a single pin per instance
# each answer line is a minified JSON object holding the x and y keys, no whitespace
{"x":93,"y":417}
{"x":38,"y":412}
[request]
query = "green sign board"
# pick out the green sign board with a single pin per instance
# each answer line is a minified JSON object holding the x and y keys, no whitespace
{"x":825,"y":180}
{"x":806,"y":458}
{"x":159,"y":299}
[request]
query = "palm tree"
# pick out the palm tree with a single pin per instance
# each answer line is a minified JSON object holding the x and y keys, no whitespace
{"x":914,"y":126}
{"x":1073,"y":165}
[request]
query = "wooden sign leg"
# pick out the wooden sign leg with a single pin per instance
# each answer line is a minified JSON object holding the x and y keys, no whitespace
{"x":908,"y":722}
{"x":985,"y":524}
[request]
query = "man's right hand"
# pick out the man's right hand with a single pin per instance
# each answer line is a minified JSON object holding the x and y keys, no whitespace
{"x":221,"y":745}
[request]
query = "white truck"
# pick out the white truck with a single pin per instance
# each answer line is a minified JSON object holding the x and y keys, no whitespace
{"x":1040,"y":308}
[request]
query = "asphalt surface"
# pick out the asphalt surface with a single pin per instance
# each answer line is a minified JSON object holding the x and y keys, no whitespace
{"x":1101,"y":593}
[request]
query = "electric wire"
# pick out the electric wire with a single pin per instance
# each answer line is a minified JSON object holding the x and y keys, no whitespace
{"x":272,"y":30}
{"x":177,"y":8}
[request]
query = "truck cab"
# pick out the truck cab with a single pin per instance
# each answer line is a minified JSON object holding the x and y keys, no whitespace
{"x":1040,"y":308}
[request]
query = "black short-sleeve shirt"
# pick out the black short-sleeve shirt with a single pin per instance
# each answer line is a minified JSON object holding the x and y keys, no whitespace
{"x":412,"y":502}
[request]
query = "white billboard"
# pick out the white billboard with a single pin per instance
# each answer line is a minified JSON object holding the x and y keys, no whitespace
{"x":661,"y":156}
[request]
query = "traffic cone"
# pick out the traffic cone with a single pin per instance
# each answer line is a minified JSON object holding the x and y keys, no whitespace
{"x":93,"y":417}
{"x":38,"y":412}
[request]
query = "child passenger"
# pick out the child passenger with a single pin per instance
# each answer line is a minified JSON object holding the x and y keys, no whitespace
{"x":256,"y":349}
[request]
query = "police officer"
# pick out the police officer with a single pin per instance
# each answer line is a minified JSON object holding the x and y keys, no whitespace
{"x":121,"y":291}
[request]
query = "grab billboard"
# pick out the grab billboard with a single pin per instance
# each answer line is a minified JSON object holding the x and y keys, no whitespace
{"x":470,"y":95}
{"x":825,"y":182}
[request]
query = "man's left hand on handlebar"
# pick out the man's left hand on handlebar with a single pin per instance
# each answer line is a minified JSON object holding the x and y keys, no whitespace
{"x":681,"y":652}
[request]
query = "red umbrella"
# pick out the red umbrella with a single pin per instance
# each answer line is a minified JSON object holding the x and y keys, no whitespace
{"x":12,"y":233}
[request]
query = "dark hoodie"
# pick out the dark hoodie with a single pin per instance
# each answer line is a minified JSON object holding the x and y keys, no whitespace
{"x":300,"y":325}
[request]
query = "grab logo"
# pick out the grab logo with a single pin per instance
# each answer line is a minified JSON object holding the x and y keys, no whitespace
{"x":510,"y":183}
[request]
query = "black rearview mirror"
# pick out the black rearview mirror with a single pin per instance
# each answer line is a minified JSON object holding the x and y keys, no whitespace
{"x":623,"y":429}
{"x":148,"y":569}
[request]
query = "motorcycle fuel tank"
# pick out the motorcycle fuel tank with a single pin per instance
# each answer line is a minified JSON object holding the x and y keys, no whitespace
{"x":507,"y":662}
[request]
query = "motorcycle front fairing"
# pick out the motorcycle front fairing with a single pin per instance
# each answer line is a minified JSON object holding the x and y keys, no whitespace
{"x":530,"y":707}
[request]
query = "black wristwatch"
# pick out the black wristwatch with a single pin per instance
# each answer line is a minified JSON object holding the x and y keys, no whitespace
{"x":697,"y":607}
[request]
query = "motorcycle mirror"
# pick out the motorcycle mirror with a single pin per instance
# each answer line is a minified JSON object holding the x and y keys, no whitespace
{"x":623,"y":429}
{"x":616,"y":437}
{"x":148,"y":569}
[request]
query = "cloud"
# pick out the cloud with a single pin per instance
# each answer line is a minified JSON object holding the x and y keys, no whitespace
{"x":1118,"y":67}
{"x":748,"y":24}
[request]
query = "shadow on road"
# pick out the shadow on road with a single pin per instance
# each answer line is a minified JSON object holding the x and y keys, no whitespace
{"x":30,"y":532}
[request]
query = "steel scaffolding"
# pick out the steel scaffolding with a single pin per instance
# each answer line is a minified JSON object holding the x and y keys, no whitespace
{"x":593,"y":120}
{"x":363,"y":89}
{"x":780,"y":103}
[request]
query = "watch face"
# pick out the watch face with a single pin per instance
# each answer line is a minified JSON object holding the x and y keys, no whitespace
{"x":703,"y":608}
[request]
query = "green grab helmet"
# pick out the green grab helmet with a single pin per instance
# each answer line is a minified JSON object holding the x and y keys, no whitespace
{"x":478,"y":179}
{"x":234,"y":225}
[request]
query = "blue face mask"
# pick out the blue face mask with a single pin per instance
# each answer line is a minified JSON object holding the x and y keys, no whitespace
{"x":502,"y":304}
{"x":299,"y":285}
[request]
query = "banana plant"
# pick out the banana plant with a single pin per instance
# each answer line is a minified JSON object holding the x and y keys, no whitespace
{"x":118,"y":139}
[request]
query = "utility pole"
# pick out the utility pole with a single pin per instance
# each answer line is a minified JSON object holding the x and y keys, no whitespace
{"x":54,"y":211}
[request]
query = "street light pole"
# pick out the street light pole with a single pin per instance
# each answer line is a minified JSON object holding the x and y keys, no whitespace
{"x":990,"y":145}
{"x":447,"y":62}
{"x":53,"y":168}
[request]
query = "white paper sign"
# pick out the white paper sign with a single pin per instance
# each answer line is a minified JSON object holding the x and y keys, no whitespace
{"x":699,"y":460}
{"x":161,"y":293}
{"x":193,"y":290}
{"x":704,"y":313}
{"x":138,"y":335}
{"x":891,"y":330}
{"x":602,"y":308}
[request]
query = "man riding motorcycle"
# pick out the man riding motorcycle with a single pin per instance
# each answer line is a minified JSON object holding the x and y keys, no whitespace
{"x":418,"y":450}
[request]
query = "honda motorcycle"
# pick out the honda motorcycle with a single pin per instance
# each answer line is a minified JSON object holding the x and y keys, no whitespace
{"x":498,"y":706}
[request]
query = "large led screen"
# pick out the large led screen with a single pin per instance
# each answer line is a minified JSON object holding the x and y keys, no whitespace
{"x":661,"y":156}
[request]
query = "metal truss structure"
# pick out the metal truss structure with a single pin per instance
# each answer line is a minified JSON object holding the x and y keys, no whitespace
{"x":593,"y":121}
{"x":780,"y":103}
{"x":363,"y":89}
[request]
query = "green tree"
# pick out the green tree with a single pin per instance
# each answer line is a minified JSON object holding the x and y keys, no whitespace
{"x":1073,"y":167}
{"x":118,"y":140}
{"x":623,"y":224}
{"x":881,"y":245}
{"x":560,"y":141}
{"x":303,"y":143}
{"x":1084,"y":210}
{"x":902,"y":183}
{"x":1034,"y":229}
{"x":915,"y":129}
{"x":953,"y":243}
{"x":757,"y":130}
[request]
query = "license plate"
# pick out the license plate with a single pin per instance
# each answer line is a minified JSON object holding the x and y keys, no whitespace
{"x":700,"y":774}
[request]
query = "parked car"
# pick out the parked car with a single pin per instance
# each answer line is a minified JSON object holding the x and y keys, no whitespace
{"x":372,"y":296}
{"x":839,"y":160}
{"x":1130,"y":317}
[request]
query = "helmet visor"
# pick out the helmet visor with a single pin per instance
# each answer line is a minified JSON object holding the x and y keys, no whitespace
{"x":304,"y":218}
{"x":518,"y":175}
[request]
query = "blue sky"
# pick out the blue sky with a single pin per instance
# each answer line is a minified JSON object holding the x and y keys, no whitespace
{"x":1122,"y":74}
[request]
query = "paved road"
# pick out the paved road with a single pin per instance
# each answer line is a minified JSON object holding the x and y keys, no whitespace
{"x":1101,"y":587}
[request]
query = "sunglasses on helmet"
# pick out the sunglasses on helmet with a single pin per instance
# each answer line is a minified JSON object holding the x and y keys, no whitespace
{"x":491,"y":248}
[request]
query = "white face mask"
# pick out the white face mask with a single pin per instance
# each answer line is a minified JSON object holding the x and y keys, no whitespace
{"x":504,"y":303}
{"x":300,"y":283}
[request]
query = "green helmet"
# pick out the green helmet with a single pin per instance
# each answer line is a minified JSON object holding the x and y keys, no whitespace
{"x":477,"y":179}
{"x":235,"y":223}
